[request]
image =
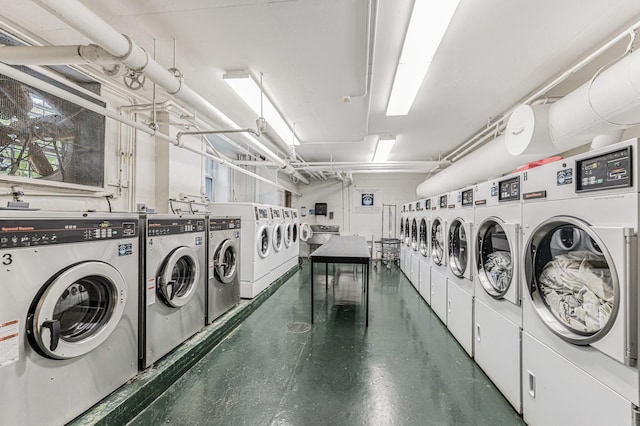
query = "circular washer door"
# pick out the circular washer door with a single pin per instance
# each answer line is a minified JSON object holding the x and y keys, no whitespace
{"x":572,"y":280}
{"x":414,"y":235}
{"x":437,"y":241}
{"x":423,"y":238}
{"x":458,"y":248}
{"x":225,"y":261}
{"x":407,"y":232}
{"x":402,"y":231}
{"x":278,"y":237}
{"x":178,"y":277}
{"x":288,"y":235}
{"x":294,"y":233}
{"x":305,"y":232}
{"x":264,"y":241}
{"x":77,"y":311}
{"x":495,"y":257}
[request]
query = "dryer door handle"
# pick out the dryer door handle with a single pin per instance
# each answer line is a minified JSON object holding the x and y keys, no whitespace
{"x":54,"y":330}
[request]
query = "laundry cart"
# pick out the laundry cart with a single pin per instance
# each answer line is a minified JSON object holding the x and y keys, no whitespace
{"x":388,"y":251}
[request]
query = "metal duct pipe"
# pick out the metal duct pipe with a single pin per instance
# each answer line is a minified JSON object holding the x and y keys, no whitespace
{"x":78,"y":16}
{"x":63,"y":94}
{"x":480,"y":165}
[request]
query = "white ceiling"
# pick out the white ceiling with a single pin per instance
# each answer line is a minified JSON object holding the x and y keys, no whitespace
{"x":313,"y":53}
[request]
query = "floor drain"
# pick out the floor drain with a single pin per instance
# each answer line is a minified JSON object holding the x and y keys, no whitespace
{"x":298,"y":327}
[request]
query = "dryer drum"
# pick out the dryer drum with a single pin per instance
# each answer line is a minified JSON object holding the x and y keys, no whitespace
{"x":572,"y":281}
{"x":494,"y":258}
{"x":414,"y":235}
{"x":437,"y":241}
{"x":424,"y":243}
{"x":458,"y":248}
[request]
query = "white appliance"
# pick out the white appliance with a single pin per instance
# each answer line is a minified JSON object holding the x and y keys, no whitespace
{"x":255,"y":242}
{"x":173,"y":301}
{"x":294,"y":248}
{"x":403,"y":235}
{"x":438,"y":242}
{"x":414,"y":269}
{"x":460,"y":261}
{"x":406,"y":265}
{"x":424,"y":251}
{"x":279,"y":257}
{"x":68,"y":314}
{"x":223,"y":278}
{"x":497,"y":308}
{"x":580,"y":274}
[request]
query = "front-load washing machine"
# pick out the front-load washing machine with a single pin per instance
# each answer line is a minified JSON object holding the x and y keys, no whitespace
{"x":68,"y":313}
{"x":424,"y":251}
{"x":294,"y":250}
{"x":403,"y":235}
{"x":408,"y":219}
{"x":497,"y":308}
{"x":223,"y":289}
{"x":255,"y":241}
{"x":291,"y":239}
{"x":279,"y":257}
{"x":580,"y":272}
{"x":460,"y":275}
{"x":438,"y":242}
{"x":414,"y":274}
{"x":173,"y":301}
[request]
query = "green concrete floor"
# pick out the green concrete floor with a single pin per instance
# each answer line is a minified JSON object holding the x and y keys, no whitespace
{"x":405,"y":369}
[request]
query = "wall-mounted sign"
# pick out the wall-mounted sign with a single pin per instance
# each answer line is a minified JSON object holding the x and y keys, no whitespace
{"x":366,"y":200}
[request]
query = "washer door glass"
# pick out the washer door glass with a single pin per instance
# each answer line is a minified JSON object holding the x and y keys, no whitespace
{"x":458,"y":248}
{"x":277,"y":237}
{"x":571,"y":280}
{"x":414,"y":235}
{"x":178,"y":277}
{"x":424,"y":239}
{"x":305,"y":232}
{"x":225,"y":262}
{"x":495,"y":258}
{"x":264,"y":242}
{"x":294,"y":233}
{"x":402,"y":229}
{"x":407,"y":232}
{"x":288,"y":234}
{"x":77,"y":310}
{"x":437,"y":241}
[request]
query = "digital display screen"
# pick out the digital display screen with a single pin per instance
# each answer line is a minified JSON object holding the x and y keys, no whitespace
{"x":611,"y":170}
{"x":509,"y":189}
{"x":442,"y":201}
{"x":467,"y":197}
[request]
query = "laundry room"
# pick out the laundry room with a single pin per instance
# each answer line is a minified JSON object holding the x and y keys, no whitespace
{"x":311,"y":212}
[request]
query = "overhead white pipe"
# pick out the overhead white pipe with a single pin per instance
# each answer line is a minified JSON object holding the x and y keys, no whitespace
{"x":63,"y":94}
{"x":79,"y":17}
{"x":599,"y":109}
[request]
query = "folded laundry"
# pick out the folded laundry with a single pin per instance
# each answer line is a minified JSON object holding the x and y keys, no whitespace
{"x":578,"y":289}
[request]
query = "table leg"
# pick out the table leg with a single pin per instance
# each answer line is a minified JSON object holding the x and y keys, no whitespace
{"x":367,"y":290}
{"x":311,"y":290}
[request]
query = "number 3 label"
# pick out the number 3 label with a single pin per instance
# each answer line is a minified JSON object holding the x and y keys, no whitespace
{"x":7,"y":259}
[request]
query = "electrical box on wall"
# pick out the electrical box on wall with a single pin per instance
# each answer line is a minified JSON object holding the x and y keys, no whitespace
{"x":321,"y":209}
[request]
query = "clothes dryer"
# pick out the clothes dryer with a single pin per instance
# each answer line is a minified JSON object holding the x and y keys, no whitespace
{"x":438,"y":241}
{"x":278,"y":258}
{"x":497,"y":308}
{"x":424,"y":251}
{"x":460,"y":261}
{"x":403,"y":236}
{"x":414,"y":274}
{"x":295,"y":237}
{"x":580,"y":271}
{"x":223,"y":278}
{"x":255,"y":241}
{"x":68,"y":314}
{"x":172,"y":304}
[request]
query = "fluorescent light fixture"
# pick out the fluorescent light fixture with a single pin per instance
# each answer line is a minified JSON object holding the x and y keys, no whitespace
{"x":428,"y":23}
{"x":248,"y":89}
{"x":383,"y":149}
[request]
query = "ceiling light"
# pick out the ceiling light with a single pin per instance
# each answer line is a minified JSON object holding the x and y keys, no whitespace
{"x":248,"y":89}
{"x":428,"y":23}
{"x":385,"y":143}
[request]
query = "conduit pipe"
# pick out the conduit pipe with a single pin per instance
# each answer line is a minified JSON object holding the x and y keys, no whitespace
{"x":79,"y":17}
{"x":63,"y":94}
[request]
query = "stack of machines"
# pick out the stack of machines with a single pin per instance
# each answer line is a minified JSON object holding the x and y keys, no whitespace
{"x":535,"y":273}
